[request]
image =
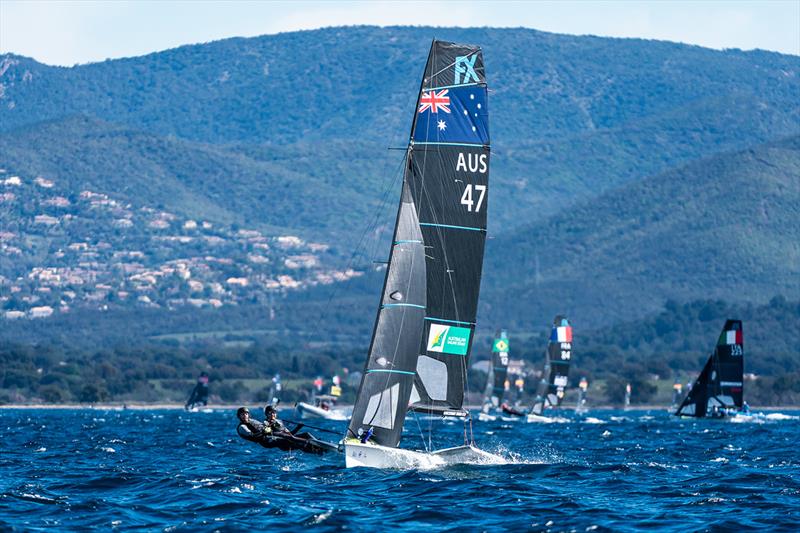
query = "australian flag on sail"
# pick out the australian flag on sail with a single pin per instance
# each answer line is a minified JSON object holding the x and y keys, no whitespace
{"x":453,"y":114}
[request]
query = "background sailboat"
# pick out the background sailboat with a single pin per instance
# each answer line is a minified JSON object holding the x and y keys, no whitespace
{"x":497,"y":377}
{"x":583,"y":388}
{"x":718,"y":390}
{"x":418,"y":356}
{"x":556,"y":370}
{"x":324,"y":405}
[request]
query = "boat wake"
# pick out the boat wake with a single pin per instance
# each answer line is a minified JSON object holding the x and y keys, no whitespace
{"x":538,"y":419}
{"x":761,"y":418}
{"x":592,"y":420}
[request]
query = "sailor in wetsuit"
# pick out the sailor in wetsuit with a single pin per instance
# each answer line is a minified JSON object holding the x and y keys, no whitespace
{"x":271,"y":423}
{"x":273,"y":434}
{"x":270,"y":434}
{"x":249,"y":428}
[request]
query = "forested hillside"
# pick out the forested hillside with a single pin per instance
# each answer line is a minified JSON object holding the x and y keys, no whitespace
{"x":726,"y":227}
{"x":243,"y":191}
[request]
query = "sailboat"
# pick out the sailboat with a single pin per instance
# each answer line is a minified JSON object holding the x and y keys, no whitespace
{"x":583,"y":388}
{"x":556,"y":371}
{"x":718,"y":390}
{"x":199,"y":394}
{"x":497,"y":378}
{"x":275,"y":390}
{"x":677,"y":393}
{"x":424,"y":328}
{"x":628,"y":391}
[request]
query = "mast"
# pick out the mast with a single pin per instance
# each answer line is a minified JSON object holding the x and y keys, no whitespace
{"x":556,"y":371}
{"x":720,"y":384}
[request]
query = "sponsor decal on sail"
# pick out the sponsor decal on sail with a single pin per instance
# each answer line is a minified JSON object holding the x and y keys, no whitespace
{"x":448,"y":339}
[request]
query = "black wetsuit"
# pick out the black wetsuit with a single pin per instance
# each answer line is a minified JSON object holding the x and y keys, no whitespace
{"x":251,"y":430}
{"x":275,"y":435}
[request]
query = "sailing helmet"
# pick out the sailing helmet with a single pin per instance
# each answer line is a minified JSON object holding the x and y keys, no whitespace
{"x":269,"y":410}
{"x":241,"y":411}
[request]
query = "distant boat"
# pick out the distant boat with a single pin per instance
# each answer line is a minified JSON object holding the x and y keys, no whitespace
{"x":677,"y":393}
{"x":718,"y":390}
{"x":324,"y":405}
{"x":583,"y":388}
{"x":628,"y":390}
{"x":199,"y":394}
{"x":497,"y":378}
{"x":275,"y":390}
{"x":555,"y":377}
{"x":424,"y":329}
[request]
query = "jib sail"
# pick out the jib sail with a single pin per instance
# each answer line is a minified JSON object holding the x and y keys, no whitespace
{"x":720,"y":384}
{"x":556,"y":371}
{"x":423,"y":331}
{"x":498,"y":369}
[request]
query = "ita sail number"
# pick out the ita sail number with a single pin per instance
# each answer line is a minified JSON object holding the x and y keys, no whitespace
{"x":473,"y":195}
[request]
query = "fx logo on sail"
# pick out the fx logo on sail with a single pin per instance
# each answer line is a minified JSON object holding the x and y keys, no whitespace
{"x":464,"y":69}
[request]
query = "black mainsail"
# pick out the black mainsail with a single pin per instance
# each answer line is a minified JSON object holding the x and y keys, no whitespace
{"x":423,"y":333}
{"x":556,"y":371}
{"x":719,"y":387}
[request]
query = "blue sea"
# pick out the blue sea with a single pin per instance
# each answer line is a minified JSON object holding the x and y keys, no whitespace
{"x":606,"y":470}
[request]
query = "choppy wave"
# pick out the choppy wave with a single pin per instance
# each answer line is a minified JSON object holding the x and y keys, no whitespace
{"x":605,"y":471}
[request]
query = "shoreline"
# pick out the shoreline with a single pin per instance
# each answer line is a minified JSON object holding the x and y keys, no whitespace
{"x":139,"y":406}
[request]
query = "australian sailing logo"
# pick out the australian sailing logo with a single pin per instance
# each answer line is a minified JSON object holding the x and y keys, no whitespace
{"x":448,"y":339}
{"x":464,"y":69}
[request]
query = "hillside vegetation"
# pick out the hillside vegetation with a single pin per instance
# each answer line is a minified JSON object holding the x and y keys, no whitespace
{"x":571,"y":117}
{"x":216,"y":197}
{"x":727,"y":227}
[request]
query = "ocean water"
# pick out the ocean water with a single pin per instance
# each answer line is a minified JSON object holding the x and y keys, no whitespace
{"x":607,"y":470}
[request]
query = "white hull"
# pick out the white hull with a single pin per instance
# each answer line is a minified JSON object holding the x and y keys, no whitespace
{"x":375,"y":456}
{"x":307,"y":410}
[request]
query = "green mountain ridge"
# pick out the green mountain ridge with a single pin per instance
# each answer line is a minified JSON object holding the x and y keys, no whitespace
{"x":289,"y":134}
{"x":726,"y":227}
{"x":574,"y":117}
{"x":196,"y":179}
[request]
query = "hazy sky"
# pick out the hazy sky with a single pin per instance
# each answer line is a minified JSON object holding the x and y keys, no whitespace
{"x":65,"y":32}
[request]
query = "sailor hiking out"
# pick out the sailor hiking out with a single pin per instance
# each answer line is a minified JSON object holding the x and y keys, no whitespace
{"x":272,"y":433}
